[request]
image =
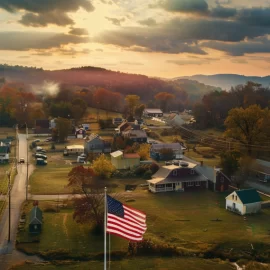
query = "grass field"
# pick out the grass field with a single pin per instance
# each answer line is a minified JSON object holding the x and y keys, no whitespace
{"x":139,"y":263}
{"x":4,"y":178}
{"x":187,"y":220}
{"x":92,"y":114}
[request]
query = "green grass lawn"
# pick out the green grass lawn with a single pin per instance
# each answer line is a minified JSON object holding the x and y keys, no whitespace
{"x":92,"y":114}
{"x":50,"y":179}
{"x":138,"y":263}
{"x":182,"y":219}
{"x":4,"y":178}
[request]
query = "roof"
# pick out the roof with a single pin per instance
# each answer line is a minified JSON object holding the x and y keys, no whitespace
{"x":35,"y":216}
{"x":173,"y":146}
{"x":248,"y":195}
{"x":92,"y":137}
{"x":4,"y":149}
{"x":207,"y":171}
{"x":136,"y":133}
{"x":188,"y":178}
{"x":153,"y":111}
{"x":131,"y":155}
{"x":123,"y":124}
{"x":117,"y":154}
{"x":261,"y":166}
{"x":75,"y":146}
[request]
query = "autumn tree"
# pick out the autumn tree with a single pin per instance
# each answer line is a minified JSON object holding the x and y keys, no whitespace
{"x":63,"y":126}
{"x":89,"y":207}
{"x":61,"y":109}
{"x":144,"y":151}
{"x":78,"y":108}
{"x":132,"y":101}
{"x":229,"y":162}
{"x":138,"y":112}
{"x":163,"y":98}
{"x":249,"y":125}
{"x":102,"y":167}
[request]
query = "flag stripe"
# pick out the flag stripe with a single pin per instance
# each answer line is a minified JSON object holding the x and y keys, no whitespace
{"x":122,"y":229}
{"x":125,"y":224}
{"x":115,"y":232}
{"x":130,"y":218}
{"x":134,"y":211}
{"x":138,"y":219}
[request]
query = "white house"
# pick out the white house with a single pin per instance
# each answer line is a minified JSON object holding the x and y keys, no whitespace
{"x":153,"y":113}
{"x":245,"y":201}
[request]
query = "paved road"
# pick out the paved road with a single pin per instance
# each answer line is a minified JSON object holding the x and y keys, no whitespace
{"x":8,"y":254}
{"x":259,"y":186}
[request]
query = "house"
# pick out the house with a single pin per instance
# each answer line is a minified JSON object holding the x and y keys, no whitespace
{"x":35,"y":220}
{"x":152,"y":113}
{"x":117,"y":121}
{"x":4,"y":154}
{"x":122,"y":160}
{"x":217,"y":180}
{"x":73,"y":150}
{"x":261,"y":170}
{"x":156,"y":150}
{"x":136,"y":135}
{"x":42,"y":126}
{"x":95,"y":144}
{"x":245,"y":201}
{"x":123,"y":126}
{"x":182,"y":177}
{"x":175,"y":120}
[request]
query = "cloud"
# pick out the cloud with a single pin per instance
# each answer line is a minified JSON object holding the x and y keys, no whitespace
{"x":240,"y":48}
{"x":184,"y":62}
{"x":42,"y":13}
{"x":115,"y":21}
{"x":148,"y":22}
{"x":43,"y":19}
{"x":132,"y":63}
{"x":78,"y":32}
{"x":223,"y":12}
{"x":180,"y":35}
{"x":21,"y":41}
{"x":61,"y":51}
{"x":99,"y":50}
{"x":199,"y":6}
{"x":254,"y":16}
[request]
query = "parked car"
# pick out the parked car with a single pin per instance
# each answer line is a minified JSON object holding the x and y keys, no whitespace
{"x":83,"y":155}
{"x":41,"y":151}
{"x":48,"y":139}
{"x":168,"y":163}
{"x":21,"y":160}
{"x":40,"y":156}
{"x":37,"y":140}
{"x":41,"y":161}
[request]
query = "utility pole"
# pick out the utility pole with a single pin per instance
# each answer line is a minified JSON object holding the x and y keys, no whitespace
{"x":27,"y":163}
{"x":9,"y":203}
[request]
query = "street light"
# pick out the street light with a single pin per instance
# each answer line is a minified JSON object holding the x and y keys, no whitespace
{"x":27,"y":163}
{"x":9,"y":203}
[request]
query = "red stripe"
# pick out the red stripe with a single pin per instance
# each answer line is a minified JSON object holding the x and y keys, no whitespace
{"x":123,"y":230}
{"x":128,"y":217}
{"x":139,"y":218}
{"x":124,"y":237}
{"x":127,"y":227}
{"x":124,"y":233}
{"x":127,"y":221}
{"x":134,"y":209}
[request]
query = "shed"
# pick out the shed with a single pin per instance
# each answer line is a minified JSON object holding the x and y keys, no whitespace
{"x":245,"y":201}
{"x":121,"y":160}
{"x":35,"y":220}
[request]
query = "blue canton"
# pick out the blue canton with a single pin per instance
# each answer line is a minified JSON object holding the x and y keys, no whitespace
{"x":115,"y":207}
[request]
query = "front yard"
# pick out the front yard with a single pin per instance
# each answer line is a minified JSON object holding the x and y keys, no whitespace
{"x":192,"y":221}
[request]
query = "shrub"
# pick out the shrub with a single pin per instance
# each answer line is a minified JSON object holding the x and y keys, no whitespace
{"x":34,"y":145}
{"x":139,"y":171}
{"x":154,"y":168}
{"x":147,"y":175}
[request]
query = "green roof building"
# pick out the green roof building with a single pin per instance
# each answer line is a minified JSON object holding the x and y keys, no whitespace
{"x":35,"y":220}
{"x":245,"y":201}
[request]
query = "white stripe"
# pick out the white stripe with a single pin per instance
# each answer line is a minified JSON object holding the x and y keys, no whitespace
{"x":135,"y":217}
{"x":124,"y":235}
{"x":143,"y":224}
{"x":124,"y":225}
{"x":109,"y":226}
{"x":132,"y":210}
{"x":127,"y":221}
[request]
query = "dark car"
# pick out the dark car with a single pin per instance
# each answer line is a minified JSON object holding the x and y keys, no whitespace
{"x":40,"y":156}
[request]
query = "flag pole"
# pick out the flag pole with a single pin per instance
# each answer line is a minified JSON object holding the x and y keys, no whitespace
{"x":109,"y":251}
{"x":105,"y":228}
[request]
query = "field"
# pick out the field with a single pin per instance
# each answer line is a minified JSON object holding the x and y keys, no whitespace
{"x":186,"y":220}
{"x":92,"y":114}
{"x":138,"y":263}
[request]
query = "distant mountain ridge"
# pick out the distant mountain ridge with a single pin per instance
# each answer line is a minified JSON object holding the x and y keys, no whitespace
{"x":226,"y":81}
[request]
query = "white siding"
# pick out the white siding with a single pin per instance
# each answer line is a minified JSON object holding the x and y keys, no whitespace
{"x":253,"y":207}
{"x":238,"y":205}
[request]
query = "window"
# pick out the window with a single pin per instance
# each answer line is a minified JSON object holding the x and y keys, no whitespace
{"x":236,"y":198}
{"x":190,"y":184}
{"x":174,"y":172}
{"x":192,"y":172}
{"x":233,"y":197}
{"x":197,"y":183}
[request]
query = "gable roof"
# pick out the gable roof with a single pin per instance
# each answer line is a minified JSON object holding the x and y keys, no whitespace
{"x":248,"y":195}
{"x":117,"y":154}
{"x":136,"y":133}
{"x":35,"y":216}
{"x":92,"y":137}
{"x":131,"y":155}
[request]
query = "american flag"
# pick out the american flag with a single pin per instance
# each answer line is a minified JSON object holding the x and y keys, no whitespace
{"x":124,"y":221}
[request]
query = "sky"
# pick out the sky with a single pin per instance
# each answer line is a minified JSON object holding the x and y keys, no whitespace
{"x":158,"y":38}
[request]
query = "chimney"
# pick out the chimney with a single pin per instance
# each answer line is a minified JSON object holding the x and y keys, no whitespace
{"x":201,"y":163}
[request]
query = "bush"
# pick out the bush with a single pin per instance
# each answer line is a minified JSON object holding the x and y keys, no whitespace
{"x":154,"y":168}
{"x":147,"y":175}
{"x":139,"y":171}
{"x":34,"y":145}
